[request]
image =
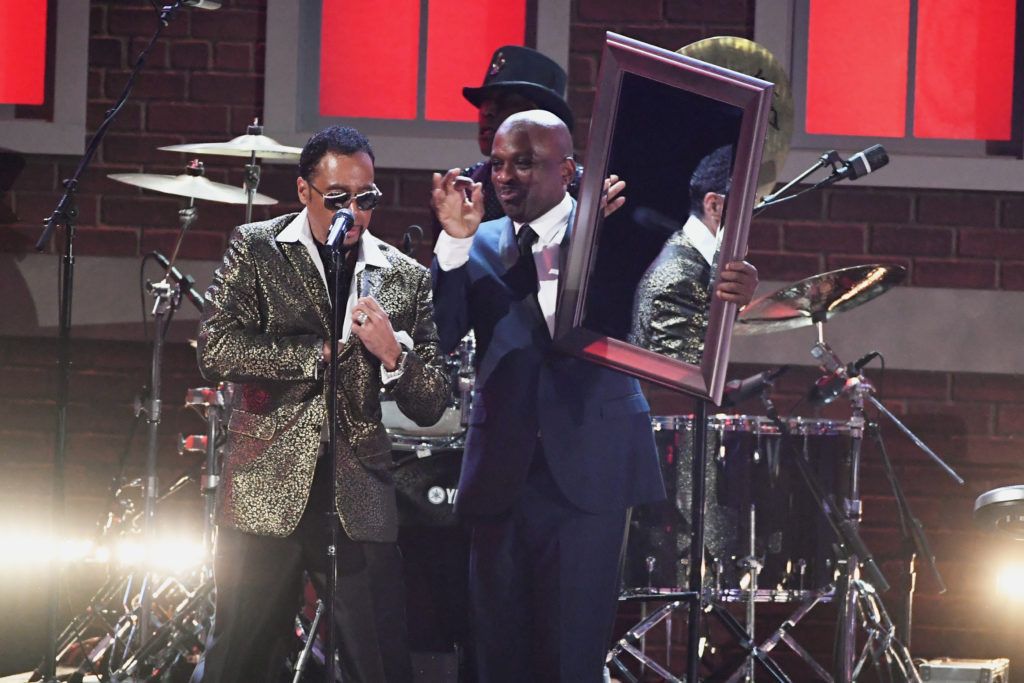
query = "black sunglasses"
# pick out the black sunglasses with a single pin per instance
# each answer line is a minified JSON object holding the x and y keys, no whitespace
{"x":365,"y":200}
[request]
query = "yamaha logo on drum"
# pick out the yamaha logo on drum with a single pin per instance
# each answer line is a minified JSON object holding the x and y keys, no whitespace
{"x":439,"y":495}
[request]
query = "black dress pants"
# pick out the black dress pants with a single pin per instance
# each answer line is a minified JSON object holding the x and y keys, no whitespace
{"x":544,"y":580}
{"x":259,"y":592}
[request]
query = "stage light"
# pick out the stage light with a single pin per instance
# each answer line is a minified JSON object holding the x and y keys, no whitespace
{"x":1010,"y":581}
{"x":165,"y":554}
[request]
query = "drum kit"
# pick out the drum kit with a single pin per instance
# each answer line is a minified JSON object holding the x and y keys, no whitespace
{"x":782,"y":508}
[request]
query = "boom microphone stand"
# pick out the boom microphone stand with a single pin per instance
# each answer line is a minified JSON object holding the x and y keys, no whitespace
{"x":64,"y":215}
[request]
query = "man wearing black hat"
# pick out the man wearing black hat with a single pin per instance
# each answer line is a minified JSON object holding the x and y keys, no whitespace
{"x":517,"y":79}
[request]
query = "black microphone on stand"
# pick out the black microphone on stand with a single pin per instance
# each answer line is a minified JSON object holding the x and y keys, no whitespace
{"x":739,"y":390}
{"x":186,"y":282}
{"x":828,"y":387}
{"x":862,"y":163}
{"x":340,"y":225}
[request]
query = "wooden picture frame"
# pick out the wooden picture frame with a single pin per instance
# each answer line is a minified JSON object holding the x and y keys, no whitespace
{"x":656,"y":114}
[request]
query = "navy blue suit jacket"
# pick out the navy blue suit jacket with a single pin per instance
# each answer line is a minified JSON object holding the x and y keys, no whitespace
{"x":593,"y":422}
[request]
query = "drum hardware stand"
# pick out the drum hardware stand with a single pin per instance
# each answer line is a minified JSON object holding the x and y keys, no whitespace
{"x":915,"y":543}
{"x":252,"y":171}
{"x":857,"y":388}
{"x":753,"y":566}
{"x":300,"y":663}
{"x":211,"y":405}
{"x":635,"y":636}
{"x":65,"y":214}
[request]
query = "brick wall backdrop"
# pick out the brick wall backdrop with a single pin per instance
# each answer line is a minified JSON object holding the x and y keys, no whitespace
{"x":204,"y":82}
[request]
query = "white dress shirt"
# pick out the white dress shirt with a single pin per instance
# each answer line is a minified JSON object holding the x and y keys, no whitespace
{"x":702,"y":239}
{"x":550,"y":227}
{"x":298,"y":230}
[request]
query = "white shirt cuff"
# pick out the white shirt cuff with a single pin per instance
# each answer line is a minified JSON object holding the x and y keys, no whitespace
{"x":405,"y":341}
{"x":452,"y":252}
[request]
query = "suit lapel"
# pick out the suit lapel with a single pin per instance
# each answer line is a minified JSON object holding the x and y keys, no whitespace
{"x":299,"y":259}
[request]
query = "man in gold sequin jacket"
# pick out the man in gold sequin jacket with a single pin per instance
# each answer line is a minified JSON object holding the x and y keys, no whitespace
{"x":265,"y":328}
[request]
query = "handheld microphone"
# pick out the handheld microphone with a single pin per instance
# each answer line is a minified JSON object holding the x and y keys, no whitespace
{"x":184,"y":281}
{"x":201,"y":4}
{"x":864,"y":162}
{"x":340,"y":225}
{"x":739,"y":390}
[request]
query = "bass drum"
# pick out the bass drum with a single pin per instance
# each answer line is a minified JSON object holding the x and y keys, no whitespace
{"x":435,"y":549}
{"x":748,"y":484}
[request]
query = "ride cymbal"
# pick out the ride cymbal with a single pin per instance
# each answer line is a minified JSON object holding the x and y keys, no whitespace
{"x":242,"y":146}
{"x":817,"y":298}
{"x":189,"y":185}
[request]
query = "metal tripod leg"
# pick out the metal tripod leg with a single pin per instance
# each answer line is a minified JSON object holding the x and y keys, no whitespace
{"x":882,"y":643}
{"x":782,"y":635}
{"x":629,"y":643}
{"x":753,"y":651}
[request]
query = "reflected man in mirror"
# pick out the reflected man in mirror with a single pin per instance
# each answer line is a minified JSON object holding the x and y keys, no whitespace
{"x":673,"y":299}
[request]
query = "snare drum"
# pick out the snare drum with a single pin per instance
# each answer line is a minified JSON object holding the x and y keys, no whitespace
{"x":447,"y":432}
{"x":746,"y":470}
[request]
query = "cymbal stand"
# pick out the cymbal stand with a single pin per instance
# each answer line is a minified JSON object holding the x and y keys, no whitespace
{"x":65,"y":214}
{"x":252,"y":171}
{"x":753,"y":566}
{"x":857,"y":389}
{"x":915,"y":543}
{"x":166,"y":300}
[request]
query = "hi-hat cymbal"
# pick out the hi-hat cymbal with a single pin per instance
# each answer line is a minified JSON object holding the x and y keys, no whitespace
{"x":242,"y":146}
{"x":747,"y":57}
{"x":188,"y":185}
{"x":817,"y":299}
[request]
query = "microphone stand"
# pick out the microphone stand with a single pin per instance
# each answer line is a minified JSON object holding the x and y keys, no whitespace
{"x":65,"y":214}
{"x":915,"y":544}
{"x":338,"y":310}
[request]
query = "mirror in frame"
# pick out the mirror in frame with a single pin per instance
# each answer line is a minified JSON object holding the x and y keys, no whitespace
{"x":687,"y":138}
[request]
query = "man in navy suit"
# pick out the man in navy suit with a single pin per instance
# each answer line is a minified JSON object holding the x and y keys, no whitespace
{"x":558,"y":449}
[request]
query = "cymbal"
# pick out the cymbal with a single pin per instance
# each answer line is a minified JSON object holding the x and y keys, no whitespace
{"x":747,"y":57}
{"x":242,"y":146}
{"x":817,"y":298}
{"x":188,"y":185}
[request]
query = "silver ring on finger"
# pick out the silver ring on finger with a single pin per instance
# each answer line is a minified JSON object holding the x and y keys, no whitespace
{"x":361,"y":317}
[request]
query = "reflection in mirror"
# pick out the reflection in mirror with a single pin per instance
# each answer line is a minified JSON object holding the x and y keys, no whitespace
{"x":655,"y":259}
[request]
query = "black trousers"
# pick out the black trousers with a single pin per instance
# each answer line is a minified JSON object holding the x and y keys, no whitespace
{"x":544,"y":580}
{"x":259,"y":591}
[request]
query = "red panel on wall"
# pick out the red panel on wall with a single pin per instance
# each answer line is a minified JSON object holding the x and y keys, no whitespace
{"x":463,"y":35}
{"x":369,"y":56}
{"x":22,"y":51}
{"x":857,"y":67}
{"x":964,"y":83}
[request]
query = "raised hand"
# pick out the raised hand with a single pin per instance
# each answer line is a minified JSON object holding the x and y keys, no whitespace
{"x":459,"y":214}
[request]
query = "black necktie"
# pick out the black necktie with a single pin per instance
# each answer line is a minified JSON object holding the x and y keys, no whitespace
{"x":526,"y":239}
